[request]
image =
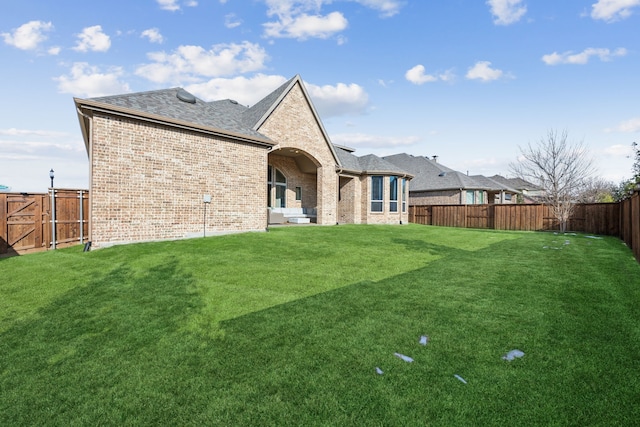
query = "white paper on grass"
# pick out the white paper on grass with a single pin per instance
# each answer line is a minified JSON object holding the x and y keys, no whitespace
{"x":460,"y":378}
{"x":379,"y":371}
{"x":403,"y":357}
{"x":513,"y":354}
{"x":424,"y":340}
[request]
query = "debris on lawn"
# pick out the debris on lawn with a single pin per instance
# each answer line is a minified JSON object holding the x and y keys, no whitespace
{"x":424,"y":340}
{"x":403,"y":357}
{"x":513,"y":354}
{"x":460,"y":378}
{"x":379,"y":371}
{"x":567,"y":242}
{"x":593,"y":237}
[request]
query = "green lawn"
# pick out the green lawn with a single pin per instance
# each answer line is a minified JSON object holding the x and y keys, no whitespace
{"x":287,"y":328}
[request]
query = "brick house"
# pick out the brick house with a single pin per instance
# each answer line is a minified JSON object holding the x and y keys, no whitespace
{"x":155,"y":157}
{"x":436,"y":184}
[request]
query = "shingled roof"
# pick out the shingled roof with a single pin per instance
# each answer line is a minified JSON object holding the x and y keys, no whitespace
{"x":225,"y":115}
{"x":431,"y":175}
{"x":369,"y":164}
{"x":176,"y":106}
{"x":517,"y":183}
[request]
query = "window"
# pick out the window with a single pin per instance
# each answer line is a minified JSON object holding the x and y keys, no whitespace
{"x":471,"y":199}
{"x":393,"y":194}
{"x":377,"y":193}
{"x":298,"y":193}
{"x":507,"y":196}
{"x":403,"y":196}
{"x":276,"y":179}
{"x":269,"y":185}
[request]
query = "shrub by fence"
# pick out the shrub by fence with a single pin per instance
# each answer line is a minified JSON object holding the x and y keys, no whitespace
{"x":26,"y":220}
{"x":612,"y":219}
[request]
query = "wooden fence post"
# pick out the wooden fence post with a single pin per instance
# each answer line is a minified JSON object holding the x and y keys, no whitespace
{"x":3,"y":224}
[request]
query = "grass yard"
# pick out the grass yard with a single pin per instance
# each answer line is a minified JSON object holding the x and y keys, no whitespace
{"x":288,"y":327}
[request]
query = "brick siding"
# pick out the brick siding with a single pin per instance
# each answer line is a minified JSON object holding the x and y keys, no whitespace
{"x":148,"y":183}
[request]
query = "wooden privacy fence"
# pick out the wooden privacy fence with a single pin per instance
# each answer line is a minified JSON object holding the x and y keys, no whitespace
{"x":35,"y":222}
{"x":612,"y":219}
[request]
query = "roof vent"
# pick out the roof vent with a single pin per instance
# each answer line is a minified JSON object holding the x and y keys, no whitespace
{"x":185,"y":96}
{"x":233,"y":101}
{"x":442,"y":174}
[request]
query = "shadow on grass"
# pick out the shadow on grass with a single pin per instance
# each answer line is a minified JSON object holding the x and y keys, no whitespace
{"x":93,"y":348}
{"x":118,"y":352}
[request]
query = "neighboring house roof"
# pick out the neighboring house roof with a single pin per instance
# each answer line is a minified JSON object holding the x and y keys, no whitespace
{"x":517,"y":183}
{"x":369,"y":164}
{"x":493,"y":185}
{"x":431,"y":175}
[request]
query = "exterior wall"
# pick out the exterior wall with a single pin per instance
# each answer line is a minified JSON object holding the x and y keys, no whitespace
{"x":445,"y":197}
{"x":495,"y":198}
{"x":454,"y":197}
{"x":295,"y":178}
{"x":148,"y":183}
{"x":386,"y":216}
{"x":349,"y":203}
{"x":293,"y":125}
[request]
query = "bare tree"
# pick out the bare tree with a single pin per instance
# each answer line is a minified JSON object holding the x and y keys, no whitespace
{"x":560,"y":168}
{"x":598,"y":190}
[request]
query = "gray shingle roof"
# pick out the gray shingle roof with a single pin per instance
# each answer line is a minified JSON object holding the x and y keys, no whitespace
{"x":430,"y":175}
{"x":369,"y":163}
{"x":226,"y":115}
{"x":348,"y":160}
{"x":254,"y":115}
{"x":517,"y":183}
{"x":493,"y":185}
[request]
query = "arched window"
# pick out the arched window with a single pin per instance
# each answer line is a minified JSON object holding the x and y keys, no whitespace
{"x":276,"y":179}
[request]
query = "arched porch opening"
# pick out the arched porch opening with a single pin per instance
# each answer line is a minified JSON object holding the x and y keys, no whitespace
{"x":292,"y":179}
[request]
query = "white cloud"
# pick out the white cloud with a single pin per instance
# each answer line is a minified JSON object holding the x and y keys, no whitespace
{"x":54,"y":50}
{"x":93,"y":39}
{"x":329,"y":100}
{"x":629,"y":126}
{"x":28,"y":36}
{"x":613,"y":10}
{"x":170,"y":5}
{"x":386,"y":7}
{"x":418,"y":76}
{"x":89,"y":81}
{"x":304,"y":26}
{"x":582,"y":57}
{"x":29,"y":132}
{"x":619,"y":150}
{"x":153,"y":34}
{"x":247,"y":91}
{"x":302,"y":19}
{"x":482,"y":71}
{"x":341,"y":99}
{"x":506,"y":12}
{"x":364,"y":141}
{"x":27,"y":155}
{"x":193,"y":63}
{"x":231,"y":21}
{"x":174,"y":5}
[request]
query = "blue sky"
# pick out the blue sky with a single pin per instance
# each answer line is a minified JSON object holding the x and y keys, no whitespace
{"x":467,"y":80}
